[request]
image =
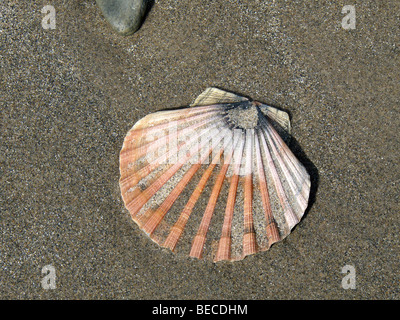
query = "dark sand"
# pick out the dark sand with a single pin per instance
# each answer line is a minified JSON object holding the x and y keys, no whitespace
{"x":68,"y":97}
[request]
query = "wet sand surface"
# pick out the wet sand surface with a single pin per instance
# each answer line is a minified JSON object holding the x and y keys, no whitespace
{"x":68,"y":96}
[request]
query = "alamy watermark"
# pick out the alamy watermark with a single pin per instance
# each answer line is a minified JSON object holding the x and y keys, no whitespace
{"x":349,"y":20}
{"x":207,"y":146}
{"x":49,"y":20}
{"x":349,"y":281}
{"x":49,"y":280}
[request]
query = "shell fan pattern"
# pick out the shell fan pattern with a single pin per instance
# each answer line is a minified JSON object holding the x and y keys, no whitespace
{"x":214,"y":180}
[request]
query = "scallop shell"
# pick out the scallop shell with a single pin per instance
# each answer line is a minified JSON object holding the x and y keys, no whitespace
{"x":215,"y":179}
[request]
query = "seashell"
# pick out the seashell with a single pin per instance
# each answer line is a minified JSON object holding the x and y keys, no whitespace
{"x":215,"y":179}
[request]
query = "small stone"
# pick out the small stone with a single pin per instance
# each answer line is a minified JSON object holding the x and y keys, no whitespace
{"x":125,"y":16}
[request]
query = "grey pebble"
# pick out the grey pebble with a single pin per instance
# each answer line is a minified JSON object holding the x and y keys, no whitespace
{"x":125,"y":16}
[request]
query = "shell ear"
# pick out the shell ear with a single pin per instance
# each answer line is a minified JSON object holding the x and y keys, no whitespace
{"x":278,"y":116}
{"x":212,"y":96}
